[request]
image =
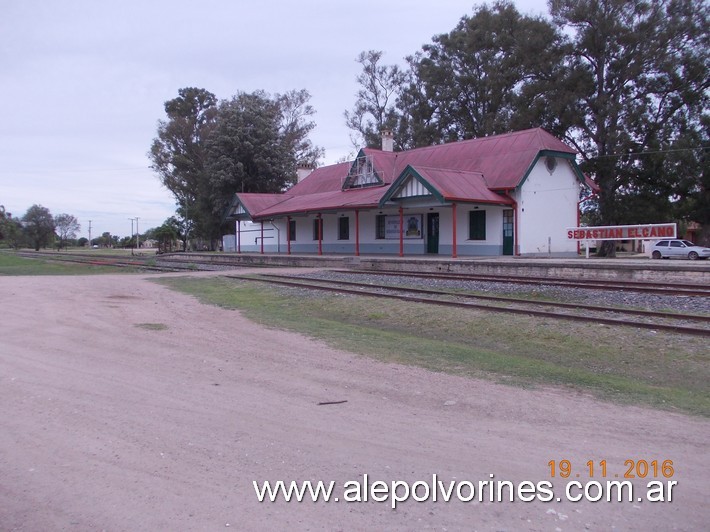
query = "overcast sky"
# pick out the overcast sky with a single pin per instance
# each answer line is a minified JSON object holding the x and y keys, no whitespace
{"x":83,"y":83}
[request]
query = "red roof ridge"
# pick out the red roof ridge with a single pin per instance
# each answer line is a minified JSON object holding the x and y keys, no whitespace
{"x":444,"y":169}
{"x":540,"y":134}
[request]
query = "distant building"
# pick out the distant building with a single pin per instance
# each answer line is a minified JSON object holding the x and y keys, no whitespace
{"x":500,"y":195}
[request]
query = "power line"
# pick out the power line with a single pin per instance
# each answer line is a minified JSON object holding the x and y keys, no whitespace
{"x":652,"y":152}
{"x":78,"y":170}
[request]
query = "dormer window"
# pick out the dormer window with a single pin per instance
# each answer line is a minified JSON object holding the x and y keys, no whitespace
{"x":362,"y":174}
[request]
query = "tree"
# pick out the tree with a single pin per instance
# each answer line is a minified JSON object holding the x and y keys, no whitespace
{"x":10,"y":229}
{"x":689,"y":158}
{"x":178,"y":153}
{"x":105,"y":240}
{"x":38,"y":225}
{"x":205,"y":151}
{"x":166,"y":236}
{"x":641,"y":78}
{"x":296,"y":125}
{"x":255,"y":146}
{"x":492,"y":74}
{"x":66,"y":226}
{"x":374,"y":108}
{"x":182,"y":225}
{"x":3,"y":220}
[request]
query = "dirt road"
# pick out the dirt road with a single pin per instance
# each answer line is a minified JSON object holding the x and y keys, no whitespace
{"x":110,"y":424}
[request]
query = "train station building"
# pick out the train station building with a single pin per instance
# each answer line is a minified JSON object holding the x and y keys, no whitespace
{"x":511,"y":194}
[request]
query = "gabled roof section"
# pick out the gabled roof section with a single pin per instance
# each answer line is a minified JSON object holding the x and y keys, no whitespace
{"x":323,"y":179}
{"x":444,"y":185}
{"x":362,"y":173}
{"x":466,"y":171}
{"x":503,"y":159}
{"x":249,"y":205}
{"x":385,"y":163}
{"x":330,"y":201}
{"x":570,"y":157}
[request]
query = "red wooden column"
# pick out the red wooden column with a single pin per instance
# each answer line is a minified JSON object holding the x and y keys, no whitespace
{"x":239,"y":236}
{"x":401,"y":231}
{"x":357,"y":233}
{"x":453,"y":240}
{"x":320,"y":234}
{"x":262,"y":237}
{"x":288,"y":234}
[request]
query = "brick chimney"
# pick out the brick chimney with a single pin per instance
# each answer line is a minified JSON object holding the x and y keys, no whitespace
{"x":387,"y":140}
{"x":303,"y":171}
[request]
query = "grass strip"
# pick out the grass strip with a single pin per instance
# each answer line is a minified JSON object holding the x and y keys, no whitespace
{"x":627,"y":366}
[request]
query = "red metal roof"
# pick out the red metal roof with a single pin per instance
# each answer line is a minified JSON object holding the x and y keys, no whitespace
{"x":502,"y":159}
{"x":326,"y":201}
{"x":323,"y":179}
{"x":254,"y":203}
{"x":469,"y":170}
{"x":455,"y":185}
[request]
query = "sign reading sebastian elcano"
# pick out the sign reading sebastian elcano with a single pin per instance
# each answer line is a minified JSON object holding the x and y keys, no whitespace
{"x":623,"y":232}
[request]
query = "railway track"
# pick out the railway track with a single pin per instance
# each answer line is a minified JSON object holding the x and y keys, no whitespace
{"x":154,"y":263}
{"x":633,"y":286}
{"x":150,"y":263}
{"x":143,"y":262}
{"x":662,"y":321}
{"x":644,"y":319}
{"x":117,"y":261}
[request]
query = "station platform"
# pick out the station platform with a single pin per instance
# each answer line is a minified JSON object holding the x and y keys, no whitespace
{"x":622,"y":268}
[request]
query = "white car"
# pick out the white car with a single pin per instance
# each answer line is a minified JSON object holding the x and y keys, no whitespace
{"x":683,"y":249}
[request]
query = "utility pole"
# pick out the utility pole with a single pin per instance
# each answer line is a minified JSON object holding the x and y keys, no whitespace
{"x":138,"y":238}
{"x":131,"y":219}
{"x":89,"y":234}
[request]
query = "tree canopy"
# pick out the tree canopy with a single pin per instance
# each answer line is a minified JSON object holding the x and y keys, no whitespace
{"x":66,"y":226}
{"x":642,"y":72}
{"x":374,"y":108}
{"x":624,"y":81}
{"x":38,"y":225}
{"x":10,"y":229}
{"x":206,"y":150}
{"x":179,"y":152}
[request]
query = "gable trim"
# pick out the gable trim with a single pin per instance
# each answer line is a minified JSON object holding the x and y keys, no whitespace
{"x":236,"y":210}
{"x":410,"y":173}
{"x":571,"y":157}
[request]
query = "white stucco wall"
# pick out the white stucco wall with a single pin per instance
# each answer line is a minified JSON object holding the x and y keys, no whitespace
{"x":547,"y":206}
{"x":275,"y":233}
{"x":249,"y":240}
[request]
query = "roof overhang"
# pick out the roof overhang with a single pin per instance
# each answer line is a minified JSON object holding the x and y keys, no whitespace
{"x":236,"y":210}
{"x":403,"y":179}
{"x":417,"y":184}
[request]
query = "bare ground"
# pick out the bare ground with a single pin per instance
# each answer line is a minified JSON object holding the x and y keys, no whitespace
{"x":105,"y":424}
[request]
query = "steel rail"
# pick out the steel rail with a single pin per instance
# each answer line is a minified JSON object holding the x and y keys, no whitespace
{"x":457,"y":304}
{"x":634,"y":286}
{"x":119,"y":260}
{"x":578,"y":306}
{"x":107,"y":260}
